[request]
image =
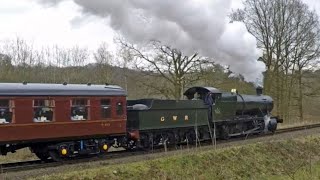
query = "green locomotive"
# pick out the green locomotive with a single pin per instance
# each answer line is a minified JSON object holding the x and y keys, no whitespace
{"x":206,"y":113}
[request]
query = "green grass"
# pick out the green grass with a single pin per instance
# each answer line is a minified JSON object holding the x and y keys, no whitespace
{"x":293,"y":159}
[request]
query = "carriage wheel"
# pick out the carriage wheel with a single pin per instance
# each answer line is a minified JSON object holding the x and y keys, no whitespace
{"x":54,"y":154}
{"x":43,"y":156}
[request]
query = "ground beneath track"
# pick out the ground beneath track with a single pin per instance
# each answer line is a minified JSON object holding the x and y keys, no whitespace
{"x":157,"y":155}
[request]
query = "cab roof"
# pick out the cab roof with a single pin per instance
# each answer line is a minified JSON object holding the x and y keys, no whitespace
{"x":189,"y":93}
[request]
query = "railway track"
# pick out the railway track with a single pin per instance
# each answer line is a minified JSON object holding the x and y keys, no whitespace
{"x":29,"y":165}
{"x":37,"y":164}
{"x":297,"y":128}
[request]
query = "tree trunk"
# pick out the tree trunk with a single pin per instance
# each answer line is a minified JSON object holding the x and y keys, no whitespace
{"x":300,"y":97}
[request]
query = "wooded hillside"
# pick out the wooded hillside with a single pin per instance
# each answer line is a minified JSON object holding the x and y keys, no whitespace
{"x":287,"y":33}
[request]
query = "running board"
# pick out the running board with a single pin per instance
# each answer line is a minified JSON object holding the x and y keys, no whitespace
{"x":245,"y":132}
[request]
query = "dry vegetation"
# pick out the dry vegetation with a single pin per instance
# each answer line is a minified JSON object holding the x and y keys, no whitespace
{"x":290,"y":159}
{"x":20,"y":155}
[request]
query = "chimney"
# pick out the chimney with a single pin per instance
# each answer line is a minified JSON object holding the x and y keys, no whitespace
{"x":259,"y":90}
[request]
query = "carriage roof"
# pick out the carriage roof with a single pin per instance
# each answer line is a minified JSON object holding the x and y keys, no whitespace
{"x":42,"y":89}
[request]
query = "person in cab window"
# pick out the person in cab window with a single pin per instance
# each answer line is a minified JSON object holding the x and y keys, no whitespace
{"x":210,"y":99}
{"x":196,"y":96}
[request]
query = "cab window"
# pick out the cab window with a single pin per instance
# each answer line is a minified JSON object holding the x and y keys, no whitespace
{"x":43,"y":110}
{"x":6,"y":106}
{"x":105,"y":108}
{"x":79,"y":109}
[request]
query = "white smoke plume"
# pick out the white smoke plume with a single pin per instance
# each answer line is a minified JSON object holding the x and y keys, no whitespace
{"x":189,"y":25}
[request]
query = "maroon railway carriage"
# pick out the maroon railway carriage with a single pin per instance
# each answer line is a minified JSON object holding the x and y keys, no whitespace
{"x":61,"y":120}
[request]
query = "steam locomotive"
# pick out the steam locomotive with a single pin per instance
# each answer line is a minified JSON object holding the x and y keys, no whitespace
{"x":62,"y":121}
{"x":207,"y":113}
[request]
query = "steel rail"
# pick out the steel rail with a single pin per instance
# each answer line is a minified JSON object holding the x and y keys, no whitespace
{"x":36,"y":164}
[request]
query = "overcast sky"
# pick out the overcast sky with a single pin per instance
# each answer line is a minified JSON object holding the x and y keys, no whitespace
{"x":60,"y":24}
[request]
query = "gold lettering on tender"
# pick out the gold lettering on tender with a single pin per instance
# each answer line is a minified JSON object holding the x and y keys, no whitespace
{"x":162,"y":119}
{"x":174,"y":118}
{"x":186,"y":117}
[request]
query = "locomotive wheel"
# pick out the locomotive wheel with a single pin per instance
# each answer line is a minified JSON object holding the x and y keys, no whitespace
{"x":145,"y":142}
{"x":225,"y":132}
{"x":191,"y":137}
{"x":172,"y":139}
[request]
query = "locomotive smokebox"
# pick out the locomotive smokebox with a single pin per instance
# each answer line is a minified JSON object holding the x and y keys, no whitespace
{"x":259,"y":90}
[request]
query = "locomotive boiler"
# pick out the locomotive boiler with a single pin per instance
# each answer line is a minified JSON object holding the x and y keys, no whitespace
{"x":235,"y":113}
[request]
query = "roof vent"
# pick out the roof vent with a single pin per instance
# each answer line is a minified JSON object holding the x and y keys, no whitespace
{"x":64,"y":83}
{"x":24,"y":83}
{"x":89,"y":84}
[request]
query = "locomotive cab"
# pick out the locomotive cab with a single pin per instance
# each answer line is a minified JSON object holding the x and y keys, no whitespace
{"x":209,"y":95}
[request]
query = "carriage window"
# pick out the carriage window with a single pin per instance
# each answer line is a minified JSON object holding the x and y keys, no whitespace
{"x":5,"y":111}
{"x":43,"y":110}
{"x":105,"y":108}
{"x":79,"y":109}
{"x":119,"y":108}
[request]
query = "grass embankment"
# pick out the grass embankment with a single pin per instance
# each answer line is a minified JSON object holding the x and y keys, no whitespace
{"x":293,"y":159}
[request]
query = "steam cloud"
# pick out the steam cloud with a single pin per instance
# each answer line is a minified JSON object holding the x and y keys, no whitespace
{"x":189,"y":25}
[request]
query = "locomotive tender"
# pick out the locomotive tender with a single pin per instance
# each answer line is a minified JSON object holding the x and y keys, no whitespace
{"x":61,"y":121}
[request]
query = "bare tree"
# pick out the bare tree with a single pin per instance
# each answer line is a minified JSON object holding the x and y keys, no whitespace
{"x":22,"y":54}
{"x":124,"y":60}
{"x":288,"y":33}
{"x":162,"y":61}
{"x":79,"y":56}
{"x":6,"y":67}
{"x":103,"y":59}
